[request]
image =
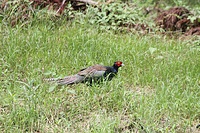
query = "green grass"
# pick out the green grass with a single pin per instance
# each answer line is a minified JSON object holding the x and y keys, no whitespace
{"x":156,"y":91}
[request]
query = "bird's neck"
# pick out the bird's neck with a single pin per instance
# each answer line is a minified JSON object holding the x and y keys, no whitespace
{"x":115,"y":67}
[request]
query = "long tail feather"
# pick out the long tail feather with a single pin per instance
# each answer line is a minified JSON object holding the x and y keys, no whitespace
{"x":68,"y":80}
{"x":74,"y":79}
{"x":51,"y":79}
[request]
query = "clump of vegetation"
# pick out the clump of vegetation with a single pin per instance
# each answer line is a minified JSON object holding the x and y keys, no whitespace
{"x":115,"y":15}
{"x":23,"y":12}
{"x":17,"y":11}
{"x":110,"y":15}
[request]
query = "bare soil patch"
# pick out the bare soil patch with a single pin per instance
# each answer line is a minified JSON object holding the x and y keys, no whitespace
{"x":177,"y":19}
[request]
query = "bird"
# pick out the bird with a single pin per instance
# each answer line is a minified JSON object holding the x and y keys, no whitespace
{"x":95,"y":73}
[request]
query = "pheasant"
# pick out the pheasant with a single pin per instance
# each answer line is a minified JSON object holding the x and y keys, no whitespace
{"x":93,"y":73}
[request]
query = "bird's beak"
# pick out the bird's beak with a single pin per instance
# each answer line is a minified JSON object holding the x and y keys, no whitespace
{"x":122,"y":64}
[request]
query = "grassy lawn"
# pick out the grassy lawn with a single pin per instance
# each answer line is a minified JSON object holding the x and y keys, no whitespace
{"x":157,"y":90}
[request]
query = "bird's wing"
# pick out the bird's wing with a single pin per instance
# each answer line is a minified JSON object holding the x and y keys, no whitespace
{"x":93,"y":71}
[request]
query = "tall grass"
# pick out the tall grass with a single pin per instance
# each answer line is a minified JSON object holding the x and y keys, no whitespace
{"x":156,"y":91}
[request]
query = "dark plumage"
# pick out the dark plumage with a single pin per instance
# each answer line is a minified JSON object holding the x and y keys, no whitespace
{"x":93,"y":73}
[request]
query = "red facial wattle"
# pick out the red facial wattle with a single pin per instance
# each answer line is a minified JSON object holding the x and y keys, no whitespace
{"x":119,"y":63}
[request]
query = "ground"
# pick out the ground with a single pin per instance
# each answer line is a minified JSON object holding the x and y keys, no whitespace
{"x":156,"y":91}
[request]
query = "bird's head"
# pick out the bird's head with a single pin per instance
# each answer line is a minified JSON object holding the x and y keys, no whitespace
{"x":118,"y":64}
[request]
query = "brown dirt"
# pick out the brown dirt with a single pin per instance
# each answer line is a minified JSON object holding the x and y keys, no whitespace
{"x":176,"y":19}
{"x":173,"y":19}
{"x":193,"y":31}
